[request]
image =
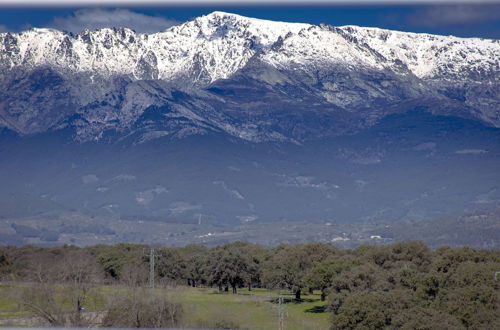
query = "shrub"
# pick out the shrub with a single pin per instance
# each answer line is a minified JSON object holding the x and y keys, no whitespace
{"x":141,"y":309}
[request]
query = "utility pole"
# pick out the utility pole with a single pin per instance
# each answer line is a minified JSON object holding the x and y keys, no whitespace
{"x":281,"y":321}
{"x":152,"y":268}
{"x":152,"y":256}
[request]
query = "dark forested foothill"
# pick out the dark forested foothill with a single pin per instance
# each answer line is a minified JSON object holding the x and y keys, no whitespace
{"x":402,"y":286}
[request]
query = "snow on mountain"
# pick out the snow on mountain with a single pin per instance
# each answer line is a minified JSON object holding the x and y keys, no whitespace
{"x":463,"y":69}
{"x":430,"y":56}
{"x":316,"y":46}
{"x":221,"y":43}
{"x":106,"y":79}
{"x":210,"y":47}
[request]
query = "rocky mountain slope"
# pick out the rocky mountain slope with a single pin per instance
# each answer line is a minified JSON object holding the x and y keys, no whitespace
{"x":252,"y":79}
{"x":228,"y":120}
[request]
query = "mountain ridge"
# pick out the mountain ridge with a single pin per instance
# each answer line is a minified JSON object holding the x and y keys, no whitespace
{"x":105,"y":80}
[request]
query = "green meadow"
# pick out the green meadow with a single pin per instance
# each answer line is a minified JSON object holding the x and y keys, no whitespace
{"x":258,"y":309}
{"x":207,"y":308}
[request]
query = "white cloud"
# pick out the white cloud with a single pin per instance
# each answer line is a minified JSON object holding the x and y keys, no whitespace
{"x":96,"y":18}
{"x":454,"y":15}
{"x":471,"y":151}
{"x":89,"y":178}
{"x":3,"y":28}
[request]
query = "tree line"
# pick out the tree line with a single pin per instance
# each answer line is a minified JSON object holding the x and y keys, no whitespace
{"x":404,"y":285}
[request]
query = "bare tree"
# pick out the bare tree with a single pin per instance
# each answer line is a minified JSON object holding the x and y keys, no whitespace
{"x":64,"y":289}
{"x":134,"y":274}
{"x":140,"y":308}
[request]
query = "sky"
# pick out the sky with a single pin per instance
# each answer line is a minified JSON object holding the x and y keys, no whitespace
{"x":459,"y":18}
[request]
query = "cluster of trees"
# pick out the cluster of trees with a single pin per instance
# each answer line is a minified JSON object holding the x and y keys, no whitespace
{"x":404,"y":285}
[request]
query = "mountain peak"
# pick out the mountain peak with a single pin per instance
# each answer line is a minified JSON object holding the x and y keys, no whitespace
{"x":230,"y":16}
{"x":255,"y":26}
{"x":223,"y":14}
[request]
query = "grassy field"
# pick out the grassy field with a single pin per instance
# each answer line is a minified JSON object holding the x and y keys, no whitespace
{"x":251,"y":309}
{"x":206,"y":308}
{"x":9,"y":307}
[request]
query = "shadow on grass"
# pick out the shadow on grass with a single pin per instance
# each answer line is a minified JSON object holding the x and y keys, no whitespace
{"x":293,"y":300}
{"x":316,"y":309}
{"x":230,"y":293}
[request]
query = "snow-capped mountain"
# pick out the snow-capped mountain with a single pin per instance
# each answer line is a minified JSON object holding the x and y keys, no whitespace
{"x":218,"y":43}
{"x":384,"y":125}
{"x":254,"y":79}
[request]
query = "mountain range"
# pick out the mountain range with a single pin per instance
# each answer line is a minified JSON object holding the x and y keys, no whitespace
{"x":249,"y":78}
{"x":235,"y":120}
